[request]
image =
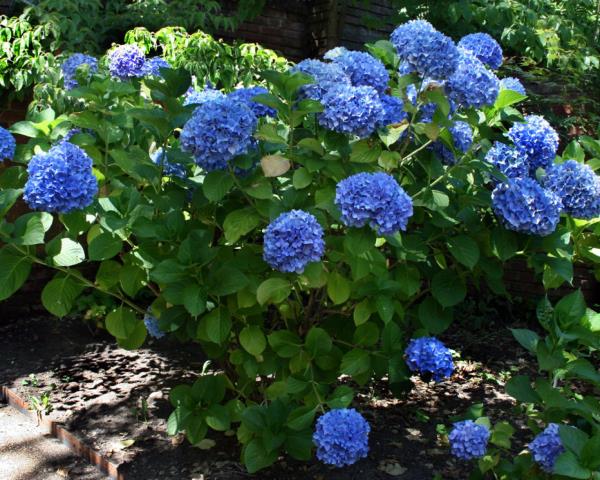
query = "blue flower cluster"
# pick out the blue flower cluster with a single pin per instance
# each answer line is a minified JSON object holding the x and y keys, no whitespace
{"x":484,"y":47}
{"x":198,"y":97}
{"x":431,"y":53}
{"x":292,"y":241}
{"x":71,"y":64}
{"x":363,"y":69}
{"x":393,"y":110}
{"x":218,"y":131}
{"x":468,"y":440}
{"x":472,"y":84}
{"x":508,"y":160}
{"x":578,"y":188}
{"x":152,"y":326}
{"x":153,"y":65}
{"x":524,"y":206}
{"x":354,"y":110}
{"x":8,"y":145}
{"x":462,"y":138}
{"x":427,"y":355}
{"x":60,"y":180}
{"x":512,"y":83}
{"x":246,"y":96}
{"x":325,"y":75}
{"x":375,"y":199}
{"x":127,"y":61}
{"x":536,"y":140}
{"x":341,"y":437}
{"x":546,"y":447}
{"x":169,"y":169}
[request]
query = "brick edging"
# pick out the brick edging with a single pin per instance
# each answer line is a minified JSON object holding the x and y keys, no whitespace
{"x":67,"y":438}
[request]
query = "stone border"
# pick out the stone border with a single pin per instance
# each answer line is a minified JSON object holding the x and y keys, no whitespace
{"x":57,"y":431}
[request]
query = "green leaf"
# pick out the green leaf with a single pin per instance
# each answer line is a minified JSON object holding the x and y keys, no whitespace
{"x":107,"y":275}
{"x":8,"y":197}
{"x":132,"y":278}
{"x":239,"y":223}
{"x":299,"y":445}
{"x":584,"y":369}
{"x":519,"y":387}
{"x":195,"y":429}
{"x":341,"y":397}
{"x":301,"y":179}
{"x":589,"y":453}
{"x":527,"y":338}
{"x":70,"y":253}
{"x":253,"y":340}
{"x":355,"y":362}
{"x":465,"y":250}
{"x":59,"y":295}
{"x":256,"y":457}
{"x":448,"y":288}
{"x":286,"y":344}
{"x":572,"y":438}
{"x":104,"y":246}
{"x":568,"y":465}
{"x":318,"y":342}
{"x":13,"y":272}
{"x":364,"y":152}
{"x":385,"y":308}
{"x":358,"y":241}
{"x":217,"y":418}
{"x":433,"y":317}
{"x":216,"y":185}
{"x":260,"y":189}
{"x":570,"y":309}
{"x":301,"y":418}
{"x":194,"y":299}
{"x":508,"y":97}
{"x":227,"y":280}
{"x":504,"y":243}
{"x":31,"y":228}
{"x":217,"y":324}
{"x":273,"y":290}
{"x":338,"y":288}
{"x":177,"y":420}
{"x":362,"y":312}
{"x":168,"y":271}
{"x":121,"y":323}
{"x":136,"y":338}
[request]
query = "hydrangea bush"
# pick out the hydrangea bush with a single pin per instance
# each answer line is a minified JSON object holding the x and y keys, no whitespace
{"x":322,"y":223}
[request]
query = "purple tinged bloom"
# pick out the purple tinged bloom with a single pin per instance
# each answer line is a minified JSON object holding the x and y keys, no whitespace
{"x":578,"y":188}
{"x":292,"y":241}
{"x":353,"y":110}
{"x":60,"y":180}
{"x":484,"y":47}
{"x":375,"y":199}
{"x":8,"y":145}
{"x":341,"y":437}
{"x":363,"y":69}
{"x":431,"y":53}
{"x":524,"y":206}
{"x":468,"y":440}
{"x":429,"y":356}
{"x":218,"y":131}
{"x":472,"y":84}
{"x":546,"y":447}
{"x":536,"y":140}
{"x":127,"y":61}
{"x":71,"y":64}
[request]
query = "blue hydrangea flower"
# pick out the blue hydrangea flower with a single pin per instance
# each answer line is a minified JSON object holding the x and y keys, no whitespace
{"x":427,"y":355}
{"x":364,"y":69}
{"x":536,"y":140}
{"x":325,"y":75}
{"x":334,"y":53}
{"x":468,"y":440}
{"x":60,"y":180}
{"x":219,"y":130}
{"x":508,"y":160}
{"x":198,"y":97}
{"x":512,"y":83}
{"x":484,"y":47}
{"x":375,"y":199}
{"x":578,"y":188}
{"x":152,"y":326}
{"x":523,"y":205}
{"x":354,"y":110}
{"x":341,"y":437}
{"x":153,"y":65}
{"x":71,"y":64}
{"x":393,"y":110}
{"x":127,"y":61}
{"x":170,"y":169}
{"x":246,"y":95}
{"x":546,"y":447}
{"x":430,"y":52}
{"x":462,"y":138}
{"x":472,"y":84}
{"x":8,"y":145}
{"x":292,"y":241}
{"x":71,"y":133}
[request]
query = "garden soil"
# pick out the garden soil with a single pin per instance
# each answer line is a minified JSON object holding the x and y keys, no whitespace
{"x":117,"y":402}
